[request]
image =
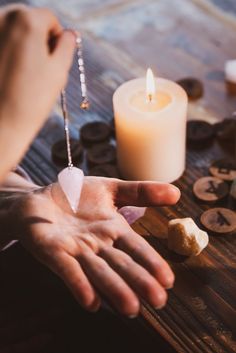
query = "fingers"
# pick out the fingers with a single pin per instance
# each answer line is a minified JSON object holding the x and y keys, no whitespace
{"x":139,"y":279}
{"x":64,"y":50}
{"x":61,"y":42}
{"x":36,"y":21}
{"x":141,"y":194}
{"x":71,"y":273}
{"x":11,"y":7}
{"x":42,"y":22}
{"x":110,"y":284}
{"x":39,"y":23}
{"x":137,"y":247}
{"x":43,"y":27}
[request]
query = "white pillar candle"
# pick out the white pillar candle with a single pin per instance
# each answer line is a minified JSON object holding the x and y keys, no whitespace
{"x":150,"y":129}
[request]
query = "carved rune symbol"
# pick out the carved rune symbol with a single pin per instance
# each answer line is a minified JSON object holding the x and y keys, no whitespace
{"x":213,"y":188}
{"x":222,"y":220}
{"x":226,"y":169}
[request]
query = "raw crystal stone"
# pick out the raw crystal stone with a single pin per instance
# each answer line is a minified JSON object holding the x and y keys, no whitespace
{"x":185,"y":238}
{"x":71,"y":181}
{"x":132,"y":213}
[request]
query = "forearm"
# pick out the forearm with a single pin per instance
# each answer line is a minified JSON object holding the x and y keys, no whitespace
{"x":13,"y":144}
{"x":13,"y":188}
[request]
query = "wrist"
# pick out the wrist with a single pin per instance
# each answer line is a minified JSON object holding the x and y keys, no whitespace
{"x":12,"y":195}
{"x":8,"y":221}
{"x":18,"y":146}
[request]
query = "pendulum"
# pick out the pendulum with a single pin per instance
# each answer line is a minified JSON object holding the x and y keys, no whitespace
{"x":71,"y":181}
{"x":71,"y":178}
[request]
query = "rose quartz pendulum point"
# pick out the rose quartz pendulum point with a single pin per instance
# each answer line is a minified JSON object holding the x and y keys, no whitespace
{"x":71,"y":181}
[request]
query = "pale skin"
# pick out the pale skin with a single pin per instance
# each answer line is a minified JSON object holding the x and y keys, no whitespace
{"x":36,"y":55}
{"x":95,"y":251}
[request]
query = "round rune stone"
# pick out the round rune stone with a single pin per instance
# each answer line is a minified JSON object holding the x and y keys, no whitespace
{"x":223,"y":169}
{"x":192,"y":86}
{"x":233,"y":190}
{"x":105,"y":170}
{"x":59,"y":152}
{"x":95,"y":132}
{"x":226,"y":130}
{"x":103,"y":153}
{"x":199,"y":131}
{"x":210,"y":189}
{"x":113,"y":128}
{"x":219,"y":220}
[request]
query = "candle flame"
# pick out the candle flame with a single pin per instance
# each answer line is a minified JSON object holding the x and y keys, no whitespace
{"x":150,"y":85}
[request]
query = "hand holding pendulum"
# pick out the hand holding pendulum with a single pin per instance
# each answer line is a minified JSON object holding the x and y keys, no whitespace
{"x":71,"y":178}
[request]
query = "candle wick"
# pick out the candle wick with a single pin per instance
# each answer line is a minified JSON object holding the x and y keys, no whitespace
{"x":150,"y":98}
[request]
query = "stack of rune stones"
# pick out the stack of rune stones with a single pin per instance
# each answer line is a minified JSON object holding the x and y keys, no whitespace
{"x":219,"y":190}
{"x":96,"y":148}
{"x":219,"y":187}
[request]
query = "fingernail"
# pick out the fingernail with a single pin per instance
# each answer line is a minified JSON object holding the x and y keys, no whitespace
{"x":176,"y":189}
{"x":170,"y":281}
{"x":71,"y":32}
{"x":159,"y":307}
{"x":169,"y":285}
{"x":133,"y":316}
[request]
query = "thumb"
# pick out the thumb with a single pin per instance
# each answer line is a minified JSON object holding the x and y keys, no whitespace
{"x":142,"y":194}
{"x":64,"y":50}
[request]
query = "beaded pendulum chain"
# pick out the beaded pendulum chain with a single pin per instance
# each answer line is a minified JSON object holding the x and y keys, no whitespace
{"x":66,"y":127}
{"x":85,"y":102}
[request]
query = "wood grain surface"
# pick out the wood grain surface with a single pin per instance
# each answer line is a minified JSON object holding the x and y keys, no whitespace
{"x":177,"y":38}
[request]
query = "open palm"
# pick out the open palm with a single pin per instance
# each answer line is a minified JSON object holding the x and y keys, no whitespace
{"x":95,"y":251}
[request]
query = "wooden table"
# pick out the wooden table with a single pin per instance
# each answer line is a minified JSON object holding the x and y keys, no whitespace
{"x":177,"y":38}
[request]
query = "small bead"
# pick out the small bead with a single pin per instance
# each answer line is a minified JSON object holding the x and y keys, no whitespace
{"x":82,"y":78}
{"x":85,"y":104}
{"x":79,"y":52}
{"x":83,"y":87}
{"x":80,"y":61}
{"x":78,"y":40}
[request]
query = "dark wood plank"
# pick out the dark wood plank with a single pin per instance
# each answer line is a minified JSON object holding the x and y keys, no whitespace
{"x":121,"y":40}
